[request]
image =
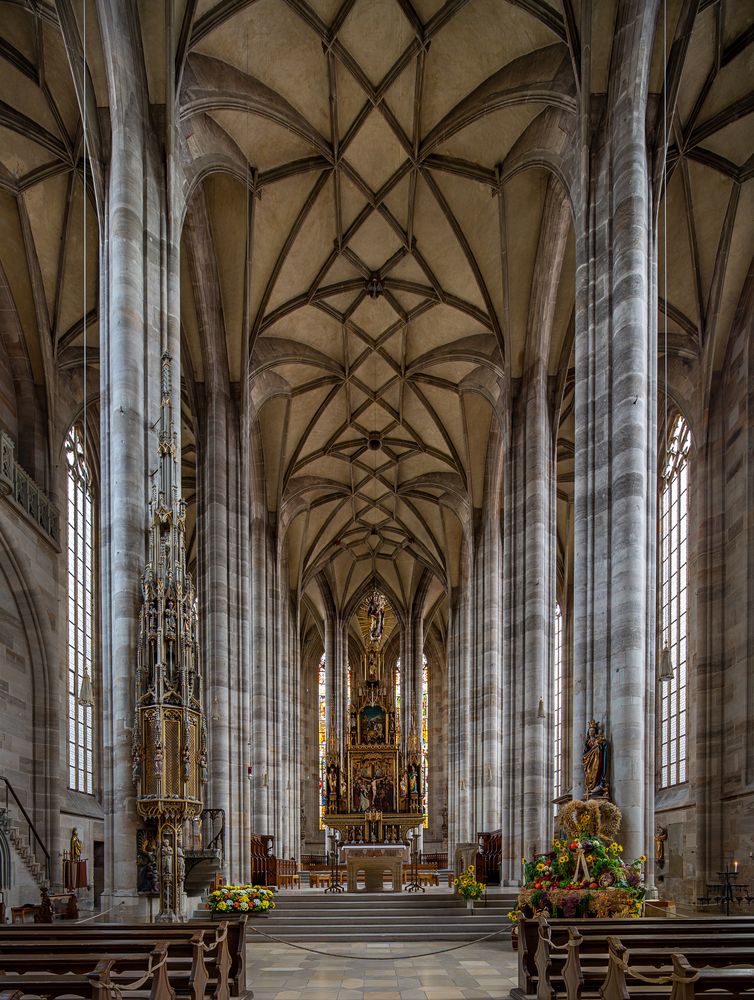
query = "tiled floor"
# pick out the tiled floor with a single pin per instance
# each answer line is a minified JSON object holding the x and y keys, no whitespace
{"x":379,"y":972}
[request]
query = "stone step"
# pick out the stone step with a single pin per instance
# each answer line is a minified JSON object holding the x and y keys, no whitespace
{"x":387,"y":936}
{"x":383,"y":917}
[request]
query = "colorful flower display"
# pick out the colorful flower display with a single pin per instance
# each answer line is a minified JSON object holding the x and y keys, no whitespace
{"x":230,"y":899}
{"x":582,"y":877}
{"x":467,"y":886}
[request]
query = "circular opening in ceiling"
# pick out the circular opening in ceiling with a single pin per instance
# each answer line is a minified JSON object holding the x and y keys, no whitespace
{"x":374,"y":442}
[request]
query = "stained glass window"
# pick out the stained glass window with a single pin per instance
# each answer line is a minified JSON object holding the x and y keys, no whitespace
{"x":80,"y":614}
{"x":398,"y":687}
{"x":557,"y":706}
{"x":322,"y":741}
{"x":674,"y":505}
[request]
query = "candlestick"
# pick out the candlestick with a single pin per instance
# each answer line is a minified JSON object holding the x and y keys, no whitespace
{"x":735,"y":866}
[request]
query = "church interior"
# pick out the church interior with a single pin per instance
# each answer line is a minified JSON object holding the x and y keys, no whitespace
{"x":376,"y":476}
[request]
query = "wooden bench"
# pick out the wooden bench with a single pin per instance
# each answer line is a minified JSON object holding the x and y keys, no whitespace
{"x":319,"y":879}
{"x":425,"y":875}
{"x":562,"y":957}
{"x":95,"y":985}
{"x":64,"y":904}
{"x":200,"y":952}
{"x":130,"y":961}
{"x":289,"y":881}
{"x":679,"y":980}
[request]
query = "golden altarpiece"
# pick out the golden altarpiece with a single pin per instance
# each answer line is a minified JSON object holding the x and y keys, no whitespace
{"x":374,"y":795}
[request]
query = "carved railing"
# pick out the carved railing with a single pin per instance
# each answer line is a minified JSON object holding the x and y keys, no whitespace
{"x":16,"y":482}
{"x":213,"y":831}
{"x":32,"y":830}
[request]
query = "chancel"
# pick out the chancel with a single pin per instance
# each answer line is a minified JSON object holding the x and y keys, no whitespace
{"x":376,"y":478}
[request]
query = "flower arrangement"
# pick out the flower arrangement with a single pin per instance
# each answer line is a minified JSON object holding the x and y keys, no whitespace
{"x":467,"y":886}
{"x":231,"y":899}
{"x":581,"y":877}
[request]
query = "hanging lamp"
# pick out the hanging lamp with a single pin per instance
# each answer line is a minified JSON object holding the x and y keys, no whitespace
{"x":665,"y":673}
{"x":86,"y":691}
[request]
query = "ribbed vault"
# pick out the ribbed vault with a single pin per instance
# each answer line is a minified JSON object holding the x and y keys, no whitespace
{"x":366,"y":182}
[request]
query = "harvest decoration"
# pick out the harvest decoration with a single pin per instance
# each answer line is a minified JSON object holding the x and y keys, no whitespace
{"x":467,"y":886}
{"x":554,"y":882}
{"x":250,"y":899}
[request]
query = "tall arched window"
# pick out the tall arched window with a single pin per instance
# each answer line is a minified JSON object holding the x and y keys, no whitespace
{"x":674,"y":591}
{"x":557,"y":706}
{"x":80,"y":615}
{"x":322,"y":741}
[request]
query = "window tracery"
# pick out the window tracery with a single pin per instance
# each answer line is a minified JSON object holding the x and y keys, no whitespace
{"x":557,"y":706}
{"x":80,"y":614}
{"x":674,"y":499}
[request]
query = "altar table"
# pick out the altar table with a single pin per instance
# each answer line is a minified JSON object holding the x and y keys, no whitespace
{"x":374,"y":860}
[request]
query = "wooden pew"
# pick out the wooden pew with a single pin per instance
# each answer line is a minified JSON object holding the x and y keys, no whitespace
{"x":569,"y":956}
{"x":680,"y":980}
{"x":95,"y":985}
{"x":688,"y":981}
{"x":210,"y":949}
{"x":127,"y":958}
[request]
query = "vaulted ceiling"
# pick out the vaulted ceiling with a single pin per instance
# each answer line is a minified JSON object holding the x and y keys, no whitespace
{"x":391,"y":259}
{"x":392,"y":237}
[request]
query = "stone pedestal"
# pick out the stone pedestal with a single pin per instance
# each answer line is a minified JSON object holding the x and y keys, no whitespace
{"x":374,"y":860}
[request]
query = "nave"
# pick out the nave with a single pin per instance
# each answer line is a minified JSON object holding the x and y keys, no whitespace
{"x":376,"y":476}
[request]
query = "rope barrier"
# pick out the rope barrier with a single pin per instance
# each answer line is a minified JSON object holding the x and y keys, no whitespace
{"x":376,"y":958}
{"x":219,"y":938}
{"x":120,"y":988}
{"x":652,"y":981}
{"x":96,"y":916}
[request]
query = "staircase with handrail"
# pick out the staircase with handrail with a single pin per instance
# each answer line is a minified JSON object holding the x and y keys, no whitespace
{"x":23,"y":837}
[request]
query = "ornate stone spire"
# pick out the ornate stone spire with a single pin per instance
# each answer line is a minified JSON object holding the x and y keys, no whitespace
{"x":169,"y":738}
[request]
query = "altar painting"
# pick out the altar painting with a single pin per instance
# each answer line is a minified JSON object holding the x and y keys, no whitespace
{"x":373,"y":786}
{"x":372,"y":724}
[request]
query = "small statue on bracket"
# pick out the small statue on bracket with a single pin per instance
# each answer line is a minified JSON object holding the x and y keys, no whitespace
{"x":661,"y":835}
{"x":594,"y":761}
{"x":76,"y":846}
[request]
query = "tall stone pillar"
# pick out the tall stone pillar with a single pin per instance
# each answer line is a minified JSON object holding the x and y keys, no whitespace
{"x":261,"y":614}
{"x":529,"y":605}
{"x":486,"y":663}
{"x":614,"y":551}
{"x":539,"y":605}
{"x":213,"y":578}
{"x":461,"y":822}
{"x":129,"y":403}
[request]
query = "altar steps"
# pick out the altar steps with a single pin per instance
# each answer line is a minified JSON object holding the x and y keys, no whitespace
{"x":383,"y":917}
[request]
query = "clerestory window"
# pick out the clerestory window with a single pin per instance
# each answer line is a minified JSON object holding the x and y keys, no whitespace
{"x":557,"y":706}
{"x":80,"y":615}
{"x":674,"y":504}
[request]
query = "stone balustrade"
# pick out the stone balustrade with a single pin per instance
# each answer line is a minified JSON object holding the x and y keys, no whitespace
{"x":17,"y":483}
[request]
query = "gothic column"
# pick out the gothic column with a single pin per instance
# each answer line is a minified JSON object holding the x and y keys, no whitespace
{"x":461,"y":821}
{"x":261,"y":679}
{"x":486,"y":665}
{"x":129,"y":388}
{"x":615,"y":430}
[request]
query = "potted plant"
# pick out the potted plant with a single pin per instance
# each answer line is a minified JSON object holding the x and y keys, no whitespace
{"x":467,"y":886}
{"x":233,"y":900}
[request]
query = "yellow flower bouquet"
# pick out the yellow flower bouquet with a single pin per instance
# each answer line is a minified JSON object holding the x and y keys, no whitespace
{"x":467,"y":886}
{"x":235,"y":899}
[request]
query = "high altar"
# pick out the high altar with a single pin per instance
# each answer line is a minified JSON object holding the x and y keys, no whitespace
{"x":374,"y":795}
